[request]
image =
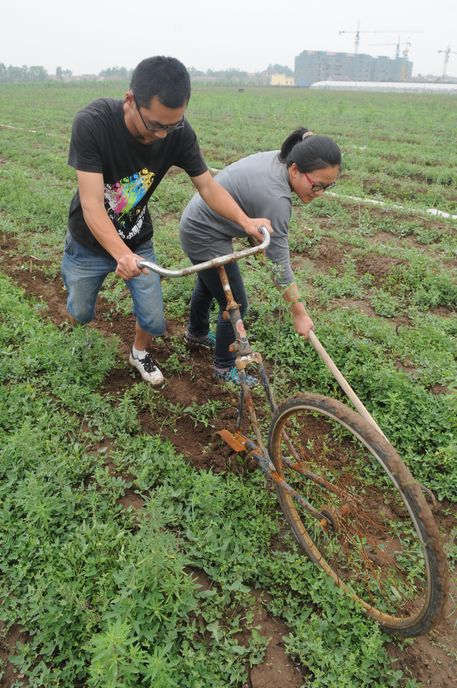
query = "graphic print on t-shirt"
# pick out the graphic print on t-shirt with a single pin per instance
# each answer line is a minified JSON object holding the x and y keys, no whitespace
{"x":122,"y":199}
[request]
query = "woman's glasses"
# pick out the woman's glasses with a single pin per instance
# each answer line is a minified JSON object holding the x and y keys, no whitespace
{"x":317,"y":186}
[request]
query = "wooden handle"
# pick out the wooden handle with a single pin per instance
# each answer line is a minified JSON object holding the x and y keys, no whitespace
{"x":344,"y":384}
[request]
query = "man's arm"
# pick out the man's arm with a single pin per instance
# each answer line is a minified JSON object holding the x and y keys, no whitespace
{"x":222,"y":203}
{"x":91,"y":193}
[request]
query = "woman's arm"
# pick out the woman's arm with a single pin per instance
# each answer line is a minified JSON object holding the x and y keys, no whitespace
{"x":302,"y":322}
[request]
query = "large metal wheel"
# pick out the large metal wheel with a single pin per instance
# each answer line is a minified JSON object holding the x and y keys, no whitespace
{"x":378,"y":539}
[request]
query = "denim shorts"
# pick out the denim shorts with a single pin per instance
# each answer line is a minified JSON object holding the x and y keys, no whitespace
{"x":84,"y":271}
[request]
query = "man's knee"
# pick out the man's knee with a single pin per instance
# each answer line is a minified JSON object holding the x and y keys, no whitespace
{"x":153,"y":323}
{"x":81,"y":313}
{"x":80,"y":301}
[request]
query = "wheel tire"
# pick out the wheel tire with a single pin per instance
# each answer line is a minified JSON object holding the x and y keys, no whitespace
{"x":383,"y":523}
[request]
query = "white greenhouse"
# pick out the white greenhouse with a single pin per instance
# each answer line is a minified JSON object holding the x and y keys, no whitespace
{"x":387,"y":86}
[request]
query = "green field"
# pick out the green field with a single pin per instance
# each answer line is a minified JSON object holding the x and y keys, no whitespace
{"x":166,"y":593}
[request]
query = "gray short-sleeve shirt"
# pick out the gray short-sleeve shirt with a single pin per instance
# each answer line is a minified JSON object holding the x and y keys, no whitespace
{"x":260,"y":186}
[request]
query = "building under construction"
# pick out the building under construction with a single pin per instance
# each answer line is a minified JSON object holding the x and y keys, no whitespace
{"x":319,"y":65}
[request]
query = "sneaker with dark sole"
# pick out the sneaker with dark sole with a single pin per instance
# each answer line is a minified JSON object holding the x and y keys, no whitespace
{"x":147,"y":368}
{"x":206,"y":341}
{"x":231,"y":375}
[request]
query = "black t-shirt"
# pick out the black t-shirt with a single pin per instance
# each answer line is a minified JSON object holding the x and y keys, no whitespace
{"x":101,"y":142}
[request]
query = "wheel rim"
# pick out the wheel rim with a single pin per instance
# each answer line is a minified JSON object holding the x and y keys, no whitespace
{"x":377,"y":554}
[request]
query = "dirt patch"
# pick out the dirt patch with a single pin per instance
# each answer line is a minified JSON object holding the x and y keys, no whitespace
{"x":431,"y":659}
{"x":440,"y":389}
{"x":197,"y":441}
{"x":277,"y":670}
{"x":329,"y":253}
{"x":130,"y":500}
{"x":386,"y":237}
{"x":443,"y":311}
{"x":10,"y":676}
{"x":401,"y":321}
{"x":355,"y":304}
{"x":406,"y":366}
{"x":377,"y":266}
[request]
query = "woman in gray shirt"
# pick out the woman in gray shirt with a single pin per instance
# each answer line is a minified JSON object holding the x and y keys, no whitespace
{"x":262,"y":185}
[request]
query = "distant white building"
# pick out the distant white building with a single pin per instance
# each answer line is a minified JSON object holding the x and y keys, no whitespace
{"x":387,"y":86}
{"x":85,"y":77}
{"x":320,"y":65}
{"x":282,"y":80}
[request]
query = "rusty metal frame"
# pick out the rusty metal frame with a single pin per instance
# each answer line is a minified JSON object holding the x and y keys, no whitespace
{"x":245,"y":356}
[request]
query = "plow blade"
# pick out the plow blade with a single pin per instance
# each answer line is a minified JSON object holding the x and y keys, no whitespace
{"x":235,"y":441}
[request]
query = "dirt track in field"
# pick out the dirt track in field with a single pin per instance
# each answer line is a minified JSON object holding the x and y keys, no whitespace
{"x":430,"y":659}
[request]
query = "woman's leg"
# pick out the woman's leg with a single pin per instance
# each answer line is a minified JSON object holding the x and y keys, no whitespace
{"x":223,"y":358}
{"x":200,"y":306}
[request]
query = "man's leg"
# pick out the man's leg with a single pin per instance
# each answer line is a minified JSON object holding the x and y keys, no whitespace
{"x":83,"y":272}
{"x":142,"y":339}
{"x":147,"y":300}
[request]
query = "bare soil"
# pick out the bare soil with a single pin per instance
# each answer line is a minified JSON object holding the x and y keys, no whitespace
{"x":10,"y":676}
{"x":377,"y":266}
{"x":431,"y":659}
{"x":329,"y":253}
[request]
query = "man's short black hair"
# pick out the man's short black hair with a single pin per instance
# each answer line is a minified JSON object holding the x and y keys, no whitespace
{"x":165,"y":78}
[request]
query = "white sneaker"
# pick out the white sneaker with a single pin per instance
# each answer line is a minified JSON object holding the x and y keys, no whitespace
{"x":147,"y":368}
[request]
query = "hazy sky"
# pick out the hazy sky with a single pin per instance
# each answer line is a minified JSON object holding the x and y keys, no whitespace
{"x":87,"y":36}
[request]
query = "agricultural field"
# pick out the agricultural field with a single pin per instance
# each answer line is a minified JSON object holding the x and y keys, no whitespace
{"x":137,"y":549}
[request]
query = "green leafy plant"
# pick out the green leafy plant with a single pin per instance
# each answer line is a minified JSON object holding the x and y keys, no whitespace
{"x":204,"y":413}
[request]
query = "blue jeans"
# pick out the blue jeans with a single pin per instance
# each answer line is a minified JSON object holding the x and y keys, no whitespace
{"x":84,"y":272}
{"x":207,"y":288}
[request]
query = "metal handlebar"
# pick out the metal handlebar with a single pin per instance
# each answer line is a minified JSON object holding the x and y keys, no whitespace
{"x":213,"y":263}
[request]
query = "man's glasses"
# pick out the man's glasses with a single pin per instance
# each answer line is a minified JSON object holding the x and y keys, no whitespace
{"x":156,"y":126}
{"x":317,"y":186}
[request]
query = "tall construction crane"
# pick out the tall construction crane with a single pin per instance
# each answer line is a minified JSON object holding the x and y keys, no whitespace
{"x":398,"y":44}
{"x":447,"y":54}
{"x":357,"y":36}
{"x":358,"y":32}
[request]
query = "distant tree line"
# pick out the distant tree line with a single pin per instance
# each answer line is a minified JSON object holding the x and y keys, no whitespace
{"x":116,"y":73}
{"x":13,"y":74}
{"x":24,"y":73}
{"x":238,"y":76}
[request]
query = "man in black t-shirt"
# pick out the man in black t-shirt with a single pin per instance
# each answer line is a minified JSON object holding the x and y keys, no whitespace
{"x":121,"y":151}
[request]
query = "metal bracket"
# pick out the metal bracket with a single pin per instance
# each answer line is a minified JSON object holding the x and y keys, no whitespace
{"x":235,"y":441}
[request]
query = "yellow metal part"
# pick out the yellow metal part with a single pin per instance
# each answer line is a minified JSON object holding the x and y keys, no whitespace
{"x":242,"y":361}
{"x":236,"y":440}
